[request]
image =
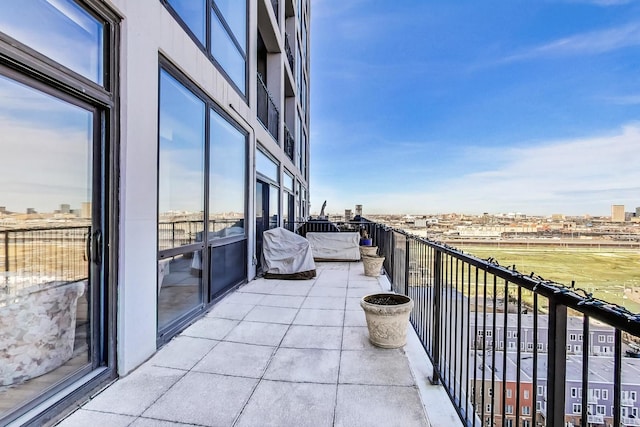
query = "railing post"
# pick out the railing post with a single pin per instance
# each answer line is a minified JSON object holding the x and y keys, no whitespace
{"x":6,"y":255}
{"x":557,"y":367}
{"x":437,"y":311}
{"x":406,"y":266}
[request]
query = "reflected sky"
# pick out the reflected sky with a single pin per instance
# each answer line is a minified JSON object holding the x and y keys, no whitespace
{"x":59,"y":29}
{"x":227,"y":167}
{"x":46,"y":150}
{"x":193,"y":13}
{"x":182,"y":124}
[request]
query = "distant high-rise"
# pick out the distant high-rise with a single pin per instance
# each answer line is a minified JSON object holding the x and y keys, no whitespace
{"x":85,"y":210}
{"x":65,"y":208}
{"x":31,"y":211}
{"x":358,"y":210}
{"x":638,"y":212}
{"x":617,"y":213}
{"x":347,"y":214}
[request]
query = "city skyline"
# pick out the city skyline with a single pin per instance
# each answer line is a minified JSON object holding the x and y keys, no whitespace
{"x":455,"y":107}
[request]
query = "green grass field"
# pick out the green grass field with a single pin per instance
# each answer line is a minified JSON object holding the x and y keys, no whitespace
{"x":610,"y":274}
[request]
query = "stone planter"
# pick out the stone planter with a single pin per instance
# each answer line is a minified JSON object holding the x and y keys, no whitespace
{"x":368,"y":250}
{"x":372,"y":265}
{"x":387,"y":318}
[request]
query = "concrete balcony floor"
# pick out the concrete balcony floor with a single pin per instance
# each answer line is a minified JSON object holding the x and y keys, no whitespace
{"x":279,"y":353}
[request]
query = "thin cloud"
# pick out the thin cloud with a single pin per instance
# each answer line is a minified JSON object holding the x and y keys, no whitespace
{"x":591,"y":43}
{"x":584,"y":175}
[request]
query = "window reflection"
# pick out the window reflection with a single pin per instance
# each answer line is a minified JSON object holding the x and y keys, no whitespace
{"x":193,"y":13}
{"x":226,"y":53}
{"x":181,"y":169}
{"x":235,"y":14}
{"x":46,"y":193}
{"x":227,"y":185}
{"x":59,"y":29}
{"x":266,"y":166}
{"x":180,"y":200}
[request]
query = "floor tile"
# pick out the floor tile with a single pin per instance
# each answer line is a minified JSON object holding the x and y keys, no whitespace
{"x":319,"y":317}
{"x":204,"y":399}
{"x":375,"y":367}
{"x":353,"y":304}
{"x":281,"y":404}
{"x":373,"y":406}
{"x":356,"y":338}
{"x":355,"y":318}
{"x":328,"y":292}
{"x":282,"y":301}
{"x":150,"y":422}
{"x":210,"y":327}
{"x":304,"y":365}
{"x":231,"y":311}
{"x":301,"y":336}
{"x":361,"y":292}
{"x":334,"y":303}
{"x":242,"y":360}
{"x":258,"y":333}
{"x":133,"y":394}
{"x":182,"y":352}
{"x":84,"y":418}
{"x":258,"y":286}
{"x":291,"y":289}
{"x":271,"y":314}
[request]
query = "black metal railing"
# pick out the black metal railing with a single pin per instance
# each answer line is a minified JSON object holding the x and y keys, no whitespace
{"x":289,"y":142}
{"x":268,"y":112}
{"x":288,"y":51}
{"x":512,"y":348}
{"x":36,"y":256}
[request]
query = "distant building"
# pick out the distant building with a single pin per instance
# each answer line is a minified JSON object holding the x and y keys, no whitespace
{"x":358,"y":210}
{"x":638,"y":212}
{"x":348,"y":214}
{"x":85,"y":211}
{"x":65,"y":208}
{"x":31,"y":211}
{"x":617,"y":213}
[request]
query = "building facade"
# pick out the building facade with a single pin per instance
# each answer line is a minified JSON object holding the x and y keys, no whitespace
{"x":146,"y":146}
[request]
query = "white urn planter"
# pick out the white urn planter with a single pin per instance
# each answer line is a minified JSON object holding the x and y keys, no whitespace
{"x":368,"y":251}
{"x":372,"y":265}
{"x":387,"y":318}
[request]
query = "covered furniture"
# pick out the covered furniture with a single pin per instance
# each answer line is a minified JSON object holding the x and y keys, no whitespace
{"x":286,"y":255}
{"x":37,"y":329}
{"x":340,"y":246}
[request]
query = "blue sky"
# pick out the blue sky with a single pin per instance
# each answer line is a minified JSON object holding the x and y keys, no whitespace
{"x":429,"y":107}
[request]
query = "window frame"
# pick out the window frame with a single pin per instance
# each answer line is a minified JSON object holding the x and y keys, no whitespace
{"x":211,"y":7}
{"x":28,"y":66}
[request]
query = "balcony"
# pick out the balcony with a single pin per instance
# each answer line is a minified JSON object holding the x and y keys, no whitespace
{"x":272,"y":326}
{"x":280,"y":353}
{"x":289,"y":142}
{"x":268,"y":112}
{"x":288,"y":51}
{"x":595,"y":419}
{"x":630,"y":421}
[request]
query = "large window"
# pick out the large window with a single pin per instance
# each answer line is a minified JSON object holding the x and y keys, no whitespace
{"x":59,"y":29}
{"x":193,"y":13}
{"x":57,"y":142}
{"x":192,"y":257}
{"x":227,"y":181}
{"x":223,"y":36}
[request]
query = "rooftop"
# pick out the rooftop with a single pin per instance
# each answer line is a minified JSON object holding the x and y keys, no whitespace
{"x":279,"y":353}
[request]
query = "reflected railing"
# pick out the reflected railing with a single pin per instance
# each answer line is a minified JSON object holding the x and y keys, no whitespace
{"x":509,"y":348}
{"x":37,"y":256}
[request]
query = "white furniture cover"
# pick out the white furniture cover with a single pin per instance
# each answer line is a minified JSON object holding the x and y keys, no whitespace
{"x":286,"y":254}
{"x":341,"y":246}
